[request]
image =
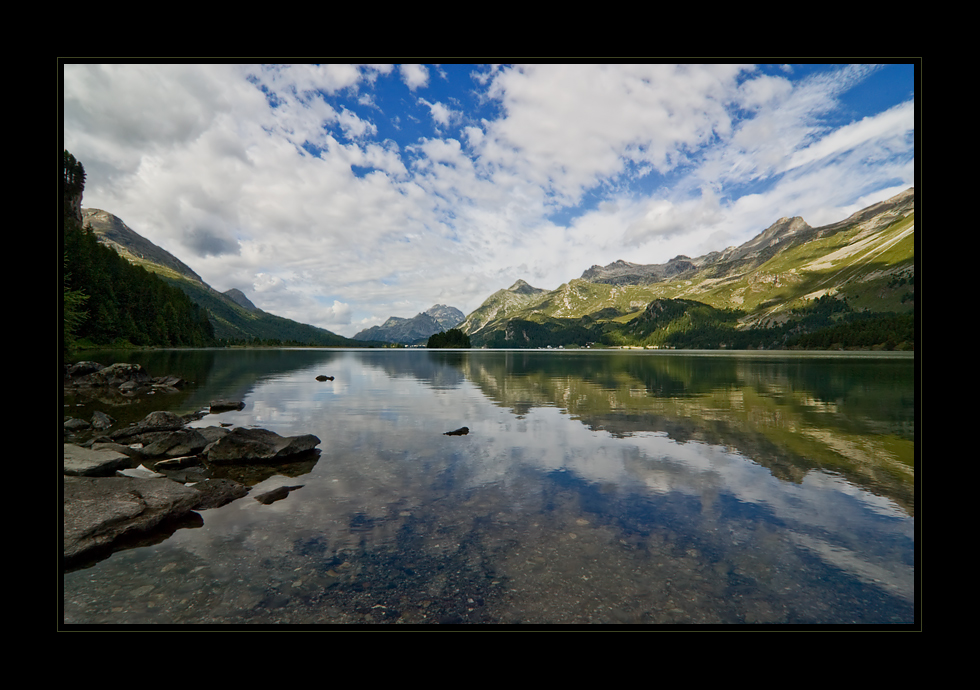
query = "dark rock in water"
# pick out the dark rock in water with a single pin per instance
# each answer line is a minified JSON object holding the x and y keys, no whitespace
{"x":258,"y":445}
{"x":276,"y":494}
{"x":321,"y":377}
{"x":226,"y":405}
{"x":217,"y":492}
{"x":83,"y":369}
{"x":75,"y":424}
{"x":100,"y":420}
{"x":462,"y":431}
{"x":114,"y":375}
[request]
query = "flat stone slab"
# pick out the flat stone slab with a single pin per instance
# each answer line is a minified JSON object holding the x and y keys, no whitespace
{"x":85,"y":462}
{"x":100,"y":510}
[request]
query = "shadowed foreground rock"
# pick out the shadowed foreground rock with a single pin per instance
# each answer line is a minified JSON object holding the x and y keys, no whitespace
{"x":99,"y":511}
{"x":103,"y":512}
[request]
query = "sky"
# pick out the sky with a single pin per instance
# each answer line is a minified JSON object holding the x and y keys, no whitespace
{"x":340,"y":195}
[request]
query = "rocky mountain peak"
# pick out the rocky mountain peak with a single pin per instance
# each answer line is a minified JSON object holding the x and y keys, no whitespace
{"x":239,"y":298}
{"x":523,"y":288}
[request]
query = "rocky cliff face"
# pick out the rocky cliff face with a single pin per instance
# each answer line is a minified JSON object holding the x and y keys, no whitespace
{"x":410,"y":331}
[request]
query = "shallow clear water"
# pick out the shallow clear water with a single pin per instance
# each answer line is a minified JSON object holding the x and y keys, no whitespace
{"x":593,"y":487}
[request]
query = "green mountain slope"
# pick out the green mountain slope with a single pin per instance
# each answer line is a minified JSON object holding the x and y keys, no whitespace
{"x":865,"y":262}
{"x":234,"y":318}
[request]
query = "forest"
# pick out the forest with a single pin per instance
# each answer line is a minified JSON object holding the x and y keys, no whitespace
{"x":108,"y":301}
{"x":451,"y":338}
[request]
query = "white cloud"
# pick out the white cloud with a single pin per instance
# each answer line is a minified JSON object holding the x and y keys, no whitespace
{"x":414,"y":76}
{"x":209,"y":163}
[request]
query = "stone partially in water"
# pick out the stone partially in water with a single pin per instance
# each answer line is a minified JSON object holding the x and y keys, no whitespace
{"x":258,"y":445}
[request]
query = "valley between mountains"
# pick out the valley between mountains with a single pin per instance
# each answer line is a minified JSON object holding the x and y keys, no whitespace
{"x":850,"y":284}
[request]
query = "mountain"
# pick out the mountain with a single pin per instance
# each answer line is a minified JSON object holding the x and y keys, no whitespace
{"x":233,"y":316}
{"x":864,"y":265}
{"x":239,"y":298}
{"x":501,"y":305}
{"x":412,"y":331}
{"x":134,"y":248}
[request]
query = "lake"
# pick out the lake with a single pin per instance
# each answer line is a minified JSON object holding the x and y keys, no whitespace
{"x":593,"y":487}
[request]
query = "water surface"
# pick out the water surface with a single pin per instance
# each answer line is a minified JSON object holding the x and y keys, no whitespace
{"x":593,"y":487}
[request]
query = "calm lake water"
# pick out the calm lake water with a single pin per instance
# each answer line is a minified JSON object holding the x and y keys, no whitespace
{"x":608,"y":487}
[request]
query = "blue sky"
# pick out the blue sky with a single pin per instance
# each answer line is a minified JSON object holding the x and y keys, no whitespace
{"x":340,"y":195}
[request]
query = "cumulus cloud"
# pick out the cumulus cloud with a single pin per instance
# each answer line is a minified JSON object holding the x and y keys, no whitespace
{"x":414,"y":76}
{"x":302,"y":181}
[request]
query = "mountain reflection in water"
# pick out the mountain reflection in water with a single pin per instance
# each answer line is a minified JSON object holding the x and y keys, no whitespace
{"x":591,"y":487}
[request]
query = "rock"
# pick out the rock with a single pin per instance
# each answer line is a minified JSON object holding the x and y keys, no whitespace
{"x":132,"y":452}
{"x":114,"y":375}
{"x":75,"y":424}
{"x":83,"y":369}
{"x":85,"y":462}
{"x":99,"y":511}
{"x":174,"y":382}
{"x":218,"y":492}
{"x":462,"y":431}
{"x":276,"y":494}
{"x":257,"y":445}
{"x":213,"y":433}
{"x":100,"y":420}
{"x":155,"y":421}
{"x":173,"y":444}
{"x":226,"y":405}
{"x":321,"y":377}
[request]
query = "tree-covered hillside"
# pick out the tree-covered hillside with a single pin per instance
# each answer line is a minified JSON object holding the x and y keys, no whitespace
{"x":107,"y":300}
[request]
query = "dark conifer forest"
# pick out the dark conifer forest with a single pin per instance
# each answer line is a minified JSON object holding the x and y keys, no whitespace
{"x":108,"y":301}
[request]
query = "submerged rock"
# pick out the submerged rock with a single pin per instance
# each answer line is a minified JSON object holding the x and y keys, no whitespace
{"x":276,"y":494}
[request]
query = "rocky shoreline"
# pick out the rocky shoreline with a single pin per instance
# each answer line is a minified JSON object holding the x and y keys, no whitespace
{"x":139,"y":483}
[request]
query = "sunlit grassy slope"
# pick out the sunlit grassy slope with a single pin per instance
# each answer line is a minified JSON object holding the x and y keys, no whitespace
{"x":869,"y":260}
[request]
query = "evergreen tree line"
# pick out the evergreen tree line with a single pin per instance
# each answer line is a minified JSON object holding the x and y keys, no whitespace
{"x":107,"y":300}
{"x":451,"y":338}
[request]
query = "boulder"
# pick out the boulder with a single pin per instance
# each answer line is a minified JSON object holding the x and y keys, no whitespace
{"x":226,"y":405}
{"x":83,"y":369}
{"x":113,"y":375}
{"x":75,"y":424}
{"x":99,"y":511}
{"x":155,"y":421}
{"x":241,"y":445}
{"x":172,"y":444}
{"x":85,"y":462}
{"x":100,"y":420}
